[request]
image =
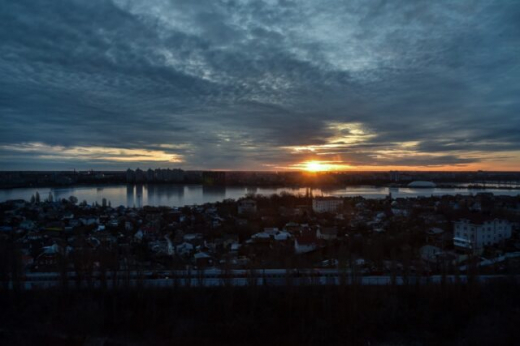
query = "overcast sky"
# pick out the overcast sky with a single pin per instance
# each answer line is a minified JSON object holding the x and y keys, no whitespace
{"x":259,"y":85}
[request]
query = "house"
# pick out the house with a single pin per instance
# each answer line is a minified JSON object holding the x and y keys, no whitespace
{"x":305,"y":242}
{"x":434,"y":231}
{"x":128,"y":226}
{"x":139,"y":235}
{"x":292,"y":227}
{"x":327,"y":233}
{"x":271,"y":234}
{"x":430,"y":253}
{"x":149,"y":230}
{"x":74,"y":223}
{"x":194,"y":238}
{"x":159,"y":247}
{"x":304,"y":245}
{"x":184,"y":249}
{"x":48,"y":260}
{"x":282,"y":236}
{"x":265,"y":236}
{"x":68,"y":216}
{"x":87,"y":221}
{"x":27,"y":225}
{"x":400,"y":211}
{"x":241,"y":222}
{"x":202,"y":259}
{"x":246,"y":206}
{"x":326,"y":204}
{"x":235,"y":247}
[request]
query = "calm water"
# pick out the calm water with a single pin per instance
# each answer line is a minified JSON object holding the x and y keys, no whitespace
{"x":180,"y":195}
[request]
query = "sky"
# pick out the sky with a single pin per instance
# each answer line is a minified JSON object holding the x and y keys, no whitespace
{"x":260,"y":85}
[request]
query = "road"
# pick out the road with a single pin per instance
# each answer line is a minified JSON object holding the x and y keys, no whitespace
{"x":265,"y":280}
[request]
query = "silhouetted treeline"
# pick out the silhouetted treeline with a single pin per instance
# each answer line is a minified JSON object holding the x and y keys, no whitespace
{"x":447,"y":314}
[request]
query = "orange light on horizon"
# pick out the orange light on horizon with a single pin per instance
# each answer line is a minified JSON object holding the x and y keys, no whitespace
{"x":321,"y":166}
{"x":315,"y":166}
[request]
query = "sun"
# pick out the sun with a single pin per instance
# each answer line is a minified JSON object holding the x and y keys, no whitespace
{"x":316,"y":166}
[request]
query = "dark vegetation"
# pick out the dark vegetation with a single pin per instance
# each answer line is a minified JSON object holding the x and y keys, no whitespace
{"x":449,"y":314}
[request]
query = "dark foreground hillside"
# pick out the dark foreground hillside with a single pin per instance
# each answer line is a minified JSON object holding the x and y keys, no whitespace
{"x":401,"y":315}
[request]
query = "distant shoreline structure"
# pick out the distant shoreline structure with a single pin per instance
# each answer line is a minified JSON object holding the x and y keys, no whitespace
{"x":422,"y":184}
{"x":432,"y":179}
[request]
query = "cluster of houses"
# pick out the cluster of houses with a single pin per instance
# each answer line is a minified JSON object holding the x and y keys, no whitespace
{"x":262,"y":232}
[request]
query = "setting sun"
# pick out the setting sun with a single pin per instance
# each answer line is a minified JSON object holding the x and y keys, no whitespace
{"x":322,"y":166}
{"x":315,"y":166}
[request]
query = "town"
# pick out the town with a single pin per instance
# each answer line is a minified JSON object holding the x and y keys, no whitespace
{"x":448,"y":235}
{"x":16,"y":179}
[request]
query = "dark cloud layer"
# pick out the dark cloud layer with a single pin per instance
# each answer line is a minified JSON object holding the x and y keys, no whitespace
{"x":259,"y":84}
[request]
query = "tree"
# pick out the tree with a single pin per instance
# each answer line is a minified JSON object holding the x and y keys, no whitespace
{"x":37,"y":197}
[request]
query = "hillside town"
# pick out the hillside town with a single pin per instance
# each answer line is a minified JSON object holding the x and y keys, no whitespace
{"x":372,"y":236}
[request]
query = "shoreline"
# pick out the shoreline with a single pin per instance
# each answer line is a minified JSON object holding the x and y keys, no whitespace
{"x":274,"y":186}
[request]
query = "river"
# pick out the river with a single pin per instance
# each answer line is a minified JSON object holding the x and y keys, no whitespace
{"x":180,"y":195}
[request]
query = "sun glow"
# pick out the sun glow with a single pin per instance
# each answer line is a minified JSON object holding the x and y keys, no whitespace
{"x":315,"y":166}
{"x":321,"y":166}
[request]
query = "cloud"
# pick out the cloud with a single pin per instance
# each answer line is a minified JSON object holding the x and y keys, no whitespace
{"x":92,"y":154}
{"x":243,"y":84}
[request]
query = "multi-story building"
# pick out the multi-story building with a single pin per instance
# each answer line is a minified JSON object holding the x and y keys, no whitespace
{"x":213,"y":178}
{"x":476,"y":232}
{"x":394,"y":176}
{"x":130,"y":176}
{"x":326,"y":204}
{"x":140,"y":176}
{"x":150,"y":175}
{"x":175,"y":175}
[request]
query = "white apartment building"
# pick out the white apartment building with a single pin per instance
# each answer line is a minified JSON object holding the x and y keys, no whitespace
{"x":475,"y":234}
{"x":326,"y":204}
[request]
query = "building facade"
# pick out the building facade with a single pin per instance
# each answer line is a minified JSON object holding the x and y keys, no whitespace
{"x":475,"y":234}
{"x":326,"y":204}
